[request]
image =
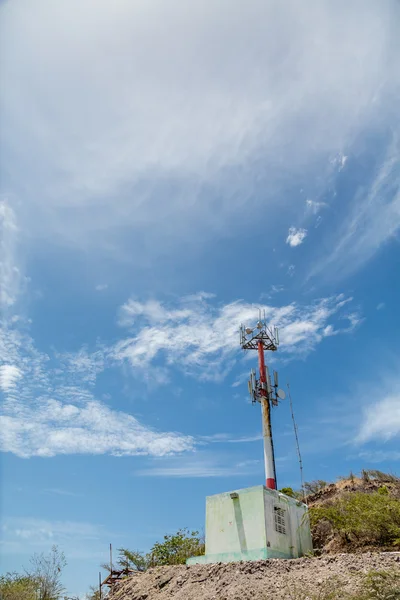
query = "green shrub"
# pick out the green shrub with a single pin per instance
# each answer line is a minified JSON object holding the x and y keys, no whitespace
{"x":14,"y":586}
{"x":312,"y":487}
{"x":133,"y":559}
{"x":288,"y":491}
{"x":367,"y":518}
{"x":176,"y":548}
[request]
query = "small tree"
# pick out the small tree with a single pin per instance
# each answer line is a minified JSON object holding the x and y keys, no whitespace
{"x":176,"y":548}
{"x":288,"y":491}
{"x":136,"y":560}
{"x":312,"y":487}
{"x":47,"y":571}
{"x":14,"y":586}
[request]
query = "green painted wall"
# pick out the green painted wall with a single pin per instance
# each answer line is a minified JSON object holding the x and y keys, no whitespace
{"x":242,"y":527}
{"x":235,"y":525}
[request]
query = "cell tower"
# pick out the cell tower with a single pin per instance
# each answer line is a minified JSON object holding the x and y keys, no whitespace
{"x":263,"y":390}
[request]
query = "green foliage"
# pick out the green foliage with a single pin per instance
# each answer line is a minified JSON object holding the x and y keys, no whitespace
{"x":288,"y":491}
{"x":128,"y":559}
{"x":365,"y":518}
{"x":173,"y":550}
{"x":42,"y":582}
{"x":176,"y":548}
{"x":14,"y":586}
{"x":312,"y":487}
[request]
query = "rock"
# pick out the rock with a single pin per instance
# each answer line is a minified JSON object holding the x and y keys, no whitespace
{"x":164,"y":581}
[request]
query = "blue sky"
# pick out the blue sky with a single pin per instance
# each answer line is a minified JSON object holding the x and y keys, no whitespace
{"x":166,"y":171}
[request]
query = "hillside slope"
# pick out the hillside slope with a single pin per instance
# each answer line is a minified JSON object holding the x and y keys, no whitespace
{"x":277,"y":579}
{"x":357,"y":513}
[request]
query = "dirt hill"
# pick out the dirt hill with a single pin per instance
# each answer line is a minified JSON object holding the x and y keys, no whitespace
{"x":371,"y":482}
{"x":297,"y":579}
{"x":346,"y":496}
{"x":338,"y":573}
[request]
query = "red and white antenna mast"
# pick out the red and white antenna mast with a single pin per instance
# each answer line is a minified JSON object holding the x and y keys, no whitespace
{"x":262,"y":338}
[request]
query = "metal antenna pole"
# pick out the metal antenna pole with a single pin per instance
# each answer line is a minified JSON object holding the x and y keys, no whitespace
{"x":100,"y":585}
{"x":262,"y":338}
{"x":111,"y":568}
{"x":297,"y":445}
{"x":269,"y":459}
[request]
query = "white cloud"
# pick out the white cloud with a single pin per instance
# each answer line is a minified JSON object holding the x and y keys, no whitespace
{"x":9,"y":272}
{"x":9,"y":375}
{"x":97,"y":144}
{"x":198,"y":466}
{"x":339,"y":161}
{"x":296,"y":236}
{"x":314,"y":206}
{"x":61,"y":492}
{"x":381,"y":419}
{"x":50,"y":427}
{"x":101,"y":287}
{"x":199,"y":337}
{"x":379,"y":456}
{"x":36,"y":535}
{"x":380,"y":306}
{"x":49,"y":407}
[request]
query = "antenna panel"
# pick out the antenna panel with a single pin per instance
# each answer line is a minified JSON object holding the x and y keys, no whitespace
{"x":268,"y":380}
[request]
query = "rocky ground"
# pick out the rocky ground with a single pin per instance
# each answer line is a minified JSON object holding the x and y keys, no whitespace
{"x":297,"y":579}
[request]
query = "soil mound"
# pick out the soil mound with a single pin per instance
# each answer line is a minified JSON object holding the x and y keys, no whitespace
{"x":276,"y":579}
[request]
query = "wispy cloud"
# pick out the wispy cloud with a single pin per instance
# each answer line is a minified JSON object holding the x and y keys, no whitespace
{"x":339,"y":161}
{"x":128,"y":140}
{"x":61,"y":492}
{"x":296,"y":236}
{"x":380,"y":456}
{"x":380,"y":306}
{"x":28,"y":535}
{"x":48,"y":427}
{"x":49,"y":405}
{"x":199,"y":466}
{"x":9,"y":375}
{"x":101,"y":287}
{"x":9,"y":272}
{"x":374,"y":219}
{"x":197,"y":335}
{"x":381,"y":419}
{"x":314,"y":206}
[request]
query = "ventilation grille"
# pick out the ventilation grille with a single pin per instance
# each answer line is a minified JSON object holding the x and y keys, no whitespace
{"x":280,"y":524}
